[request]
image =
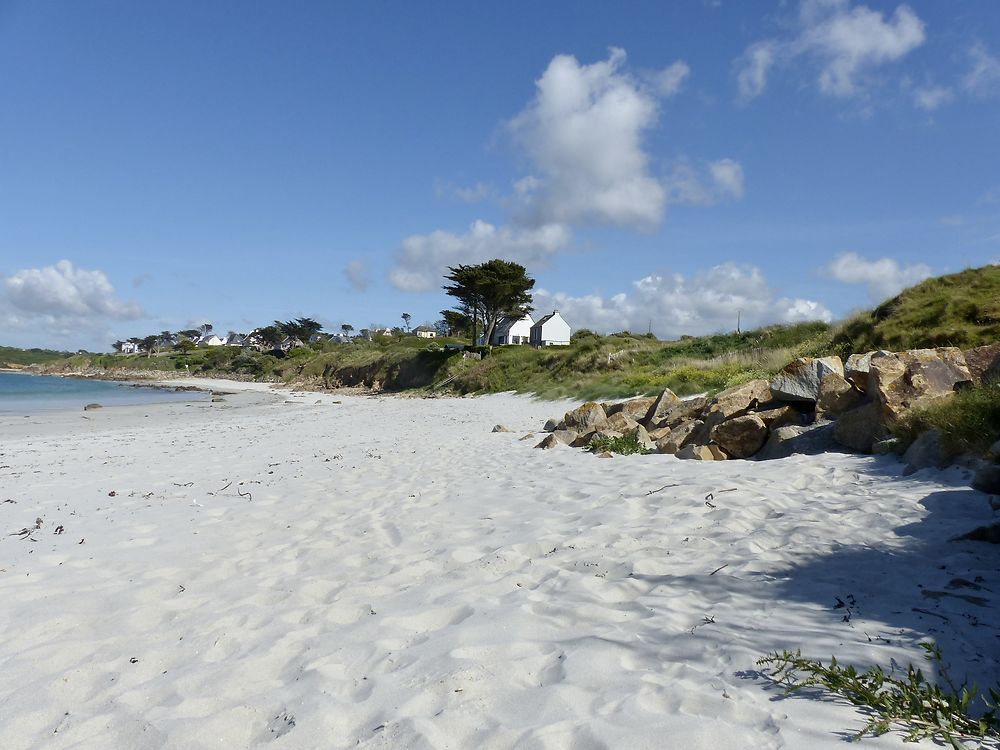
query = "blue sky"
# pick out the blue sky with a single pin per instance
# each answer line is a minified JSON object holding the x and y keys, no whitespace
{"x":664,"y":164}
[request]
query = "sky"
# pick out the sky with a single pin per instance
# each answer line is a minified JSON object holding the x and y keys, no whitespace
{"x":655,"y":166}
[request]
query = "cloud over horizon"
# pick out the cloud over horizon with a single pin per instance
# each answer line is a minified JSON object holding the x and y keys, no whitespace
{"x":707,"y":302}
{"x":883,"y":278}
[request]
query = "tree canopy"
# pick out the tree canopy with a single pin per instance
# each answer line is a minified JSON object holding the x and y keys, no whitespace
{"x":490,"y":291}
{"x":300,"y":328}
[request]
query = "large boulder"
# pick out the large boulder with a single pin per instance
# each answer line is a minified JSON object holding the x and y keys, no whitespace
{"x":857,"y":367}
{"x":621,"y":422}
{"x":983,"y":362}
{"x":860,"y":427}
{"x":837,"y":395}
{"x":586,"y":418}
{"x":741,"y":437}
{"x":925,"y":452}
{"x":781,"y":415}
{"x":678,"y":437}
{"x":636,"y":408}
{"x":809,"y":440}
{"x":800,"y":379}
{"x":738,"y":400}
{"x":683,"y":411}
{"x":660,"y":406}
{"x":550,"y":441}
{"x":917,"y":377}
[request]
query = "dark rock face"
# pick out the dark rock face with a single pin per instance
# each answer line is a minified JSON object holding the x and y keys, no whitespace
{"x":859,"y":428}
{"x":983,"y":362}
{"x":837,"y":395}
{"x":809,"y":440}
{"x":660,"y":406}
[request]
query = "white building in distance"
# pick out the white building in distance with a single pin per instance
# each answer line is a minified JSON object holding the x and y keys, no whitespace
{"x":551,"y":330}
{"x":512,"y":331}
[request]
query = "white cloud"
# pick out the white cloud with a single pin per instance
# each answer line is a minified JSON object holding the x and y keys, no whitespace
{"x":673,"y":305}
{"x":583,"y":135}
{"x":932,"y":97}
{"x":670,"y":80}
{"x":717,"y":181}
{"x":984,"y":77}
{"x":357,"y":275}
{"x":884,"y":277}
{"x":753,"y":68}
{"x":847,"y":43}
{"x":423,"y":258}
{"x":62,"y":301}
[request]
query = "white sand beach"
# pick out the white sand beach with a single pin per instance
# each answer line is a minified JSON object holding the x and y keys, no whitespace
{"x":324,"y":571}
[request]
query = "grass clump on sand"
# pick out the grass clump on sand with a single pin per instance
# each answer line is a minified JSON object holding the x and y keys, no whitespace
{"x":912,"y":704}
{"x":624,"y":445}
{"x":969,"y":421}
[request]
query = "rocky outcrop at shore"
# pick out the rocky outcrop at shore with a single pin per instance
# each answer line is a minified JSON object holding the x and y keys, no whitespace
{"x":812,"y":405}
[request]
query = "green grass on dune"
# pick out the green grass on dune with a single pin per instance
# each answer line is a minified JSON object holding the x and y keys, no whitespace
{"x":11,"y":356}
{"x":969,"y":422}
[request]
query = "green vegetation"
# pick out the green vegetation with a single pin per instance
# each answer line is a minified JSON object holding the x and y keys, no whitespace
{"x":969,"y":422}
{"x":918,"y":707}
{"x":961,"y":309}
{"x":623,"y":444}
{"x":9,"y":356}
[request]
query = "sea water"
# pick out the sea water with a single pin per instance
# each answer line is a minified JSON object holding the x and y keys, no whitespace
{"x":24,"y":393}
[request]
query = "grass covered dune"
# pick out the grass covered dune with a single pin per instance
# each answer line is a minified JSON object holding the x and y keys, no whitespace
{"x":315,"y":570}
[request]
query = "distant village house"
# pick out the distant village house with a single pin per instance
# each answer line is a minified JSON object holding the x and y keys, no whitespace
{"x":425,"y":332}
{"x":512,"y":331}
{"x":551,"y":330}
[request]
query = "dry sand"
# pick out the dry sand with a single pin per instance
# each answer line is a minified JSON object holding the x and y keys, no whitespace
{"x":386,"y":573}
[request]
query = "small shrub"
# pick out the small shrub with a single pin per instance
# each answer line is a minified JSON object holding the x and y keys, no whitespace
{"x":969,"y":421}
{"x":624,"y":444}
{"x":921,"y":709}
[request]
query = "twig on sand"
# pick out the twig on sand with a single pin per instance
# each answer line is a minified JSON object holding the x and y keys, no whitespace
{"x":932,"y":614}
{"x":718,"y":569}
{"x":185,"y":484}
{"x":241,"y":493}
{"x":226,"y":487}
{"x":653,"y":492}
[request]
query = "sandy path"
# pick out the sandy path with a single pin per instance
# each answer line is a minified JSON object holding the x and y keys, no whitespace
{"x":387,"y":573}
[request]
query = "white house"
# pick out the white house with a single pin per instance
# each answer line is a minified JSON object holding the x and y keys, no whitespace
{"x":236,"y":339}
{"x":210,"y":339}
{"x":512,"y":331}
{"x":128,"y":347}
{"x":425,"y":332}
{"x":551,"y":330}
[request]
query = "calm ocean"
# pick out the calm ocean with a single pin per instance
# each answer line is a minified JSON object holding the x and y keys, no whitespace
{"x":26,"y":393}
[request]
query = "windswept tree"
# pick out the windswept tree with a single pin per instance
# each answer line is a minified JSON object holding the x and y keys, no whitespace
{"x":456,"y":322}
{"x":268,"y":336}
{"x":347,"y":328}
{"x":205,"y":328}
{"x":149,"y":344}
{"x":491,"y":290}
{"x":165,"y":340}
{"x":406,"y":320}
{"x":300,"y":328}
{"x":189,"y":333}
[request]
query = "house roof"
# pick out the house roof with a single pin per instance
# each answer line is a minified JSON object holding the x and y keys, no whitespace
{"x":425,"y":328}
{"x":504,"y":325}
{"x":546,"y":319}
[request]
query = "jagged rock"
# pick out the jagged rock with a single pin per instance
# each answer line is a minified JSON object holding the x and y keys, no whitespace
{"x":983,"y":362}
{"x":738,"y":399}
{"x":915,"y":378}
{"x":641,"y":437}
{"x":589,"y":416}
{"x":551,"y":426}
{"x":925,"y":452}
{"x":808,"y":440}
{"x":859,"y":428}
{"x":621,"y":421}
{"x":500,"y":428}
{"x":741,"y":437}
{"x":550,"y":441}
{"x":683,"y":411}
{"x":656,"y":435}
{"x":636,"y":408}
{"x":800,"y":379}
{"x":857,"y":367}
{"x":660,"y":406}
{"x":701,"y":453}
{"x":779,"y":416}
{"x":91,"y":407}
{"x":527,"y":437}
{"x":678,"y":437}
{"x":837,"y":395}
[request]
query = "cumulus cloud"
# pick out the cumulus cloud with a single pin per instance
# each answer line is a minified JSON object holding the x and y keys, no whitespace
{"x":357,"y":275}
{"x":883,"y":278}
{"x":846,"y":43}
{"x":62,"y":300}
{"x":423,"y":258}
{"x":670,"y":80}
{"x":583,"y":134}
{"x":983,"y":79}
{"x":673,"y":305}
